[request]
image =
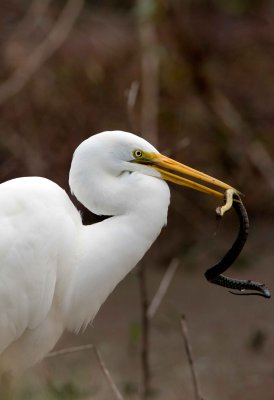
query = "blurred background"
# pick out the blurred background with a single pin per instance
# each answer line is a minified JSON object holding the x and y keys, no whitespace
{"x":196,"y":78}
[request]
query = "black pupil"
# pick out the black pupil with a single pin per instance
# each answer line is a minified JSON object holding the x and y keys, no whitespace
{"x":138,"y":153}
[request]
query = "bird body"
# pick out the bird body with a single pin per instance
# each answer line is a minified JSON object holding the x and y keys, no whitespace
{"x":38,"y":226}
{"x":55,"y":273}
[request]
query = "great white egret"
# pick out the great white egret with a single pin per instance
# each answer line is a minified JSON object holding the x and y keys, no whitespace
{"x":55,"y":273}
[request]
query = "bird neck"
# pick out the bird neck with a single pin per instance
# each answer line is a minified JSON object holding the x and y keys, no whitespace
{"x":110,"y":249}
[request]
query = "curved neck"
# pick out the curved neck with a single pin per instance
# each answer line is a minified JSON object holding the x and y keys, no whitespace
{"x":110,"y":249}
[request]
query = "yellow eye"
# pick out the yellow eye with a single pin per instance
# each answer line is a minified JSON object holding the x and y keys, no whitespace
{"x":138,"y":153}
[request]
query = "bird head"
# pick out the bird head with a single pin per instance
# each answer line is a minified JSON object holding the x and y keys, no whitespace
{"x":176,"y":172}
{"x":108,"y":169}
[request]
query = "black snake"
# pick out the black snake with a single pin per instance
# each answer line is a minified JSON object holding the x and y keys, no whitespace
{"x":215,"y":273}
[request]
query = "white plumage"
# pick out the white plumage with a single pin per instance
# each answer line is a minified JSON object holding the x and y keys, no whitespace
{"x":55,"y":273}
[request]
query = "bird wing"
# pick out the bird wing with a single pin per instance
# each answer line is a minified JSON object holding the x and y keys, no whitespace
{"x":31,"y":215}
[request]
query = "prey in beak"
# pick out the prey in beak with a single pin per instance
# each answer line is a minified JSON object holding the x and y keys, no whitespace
{"x":172,"y":170}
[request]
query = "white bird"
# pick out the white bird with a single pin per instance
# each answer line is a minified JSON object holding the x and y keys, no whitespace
{"x":55,"y":273}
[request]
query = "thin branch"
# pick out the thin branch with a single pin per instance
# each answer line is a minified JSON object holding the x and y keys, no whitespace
{"x":163,"y":287}
{"x":190,"y":358}
{"x":150,"y":75}
{"x":24,"y":151}
{"x":103,"y":367}
{"x":69,"y":350}
{"x":43,"y":52}
{"x":108,"y":377}
{"x":131,"y":102}
{"x":145,"y":332}
{"x":31,"y":19}
{"x":181,"y":144}
{"x":149,"y":128}
{"x":261,"y":159}
{"x":235,"y":123}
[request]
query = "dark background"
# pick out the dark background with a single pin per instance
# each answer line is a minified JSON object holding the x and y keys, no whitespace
{"x":214,"y":101}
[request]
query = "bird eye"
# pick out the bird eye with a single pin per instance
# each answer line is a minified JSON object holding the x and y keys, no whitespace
{"x":137,"y":153}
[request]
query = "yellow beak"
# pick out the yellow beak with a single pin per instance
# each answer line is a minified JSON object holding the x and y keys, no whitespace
{"x":164,"y":164}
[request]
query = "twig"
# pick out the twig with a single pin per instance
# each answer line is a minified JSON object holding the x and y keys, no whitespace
{"x":262,"y":160}
{"x":69,"y":350}
{"x":188,"y":348}
{"x":150,"y":75}
{"x":163,"y":287}
{"x":181,"y":144}
{"x":131,"y":102}
{"x":24,"y":151}
{"x":235,"y":123}
{"x":43,"y":52}
{"x":145,"y":332}
{"x":104,"y":369}
{"x":109,"y":379}
{"x":149,"y":128}
{"x":30,"y":20}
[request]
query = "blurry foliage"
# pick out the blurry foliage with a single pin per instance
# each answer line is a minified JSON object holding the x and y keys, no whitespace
{"x":68,"y":391}
{"x":135,"y":332}
{"x":65,"y":391}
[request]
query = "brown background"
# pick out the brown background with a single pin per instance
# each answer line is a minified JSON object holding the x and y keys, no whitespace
{"x":215,"y":99}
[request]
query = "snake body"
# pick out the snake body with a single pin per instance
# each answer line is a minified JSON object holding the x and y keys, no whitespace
{"x":215,"y":273}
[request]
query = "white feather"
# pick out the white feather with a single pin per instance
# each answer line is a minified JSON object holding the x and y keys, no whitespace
{"x":55,"y":273}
